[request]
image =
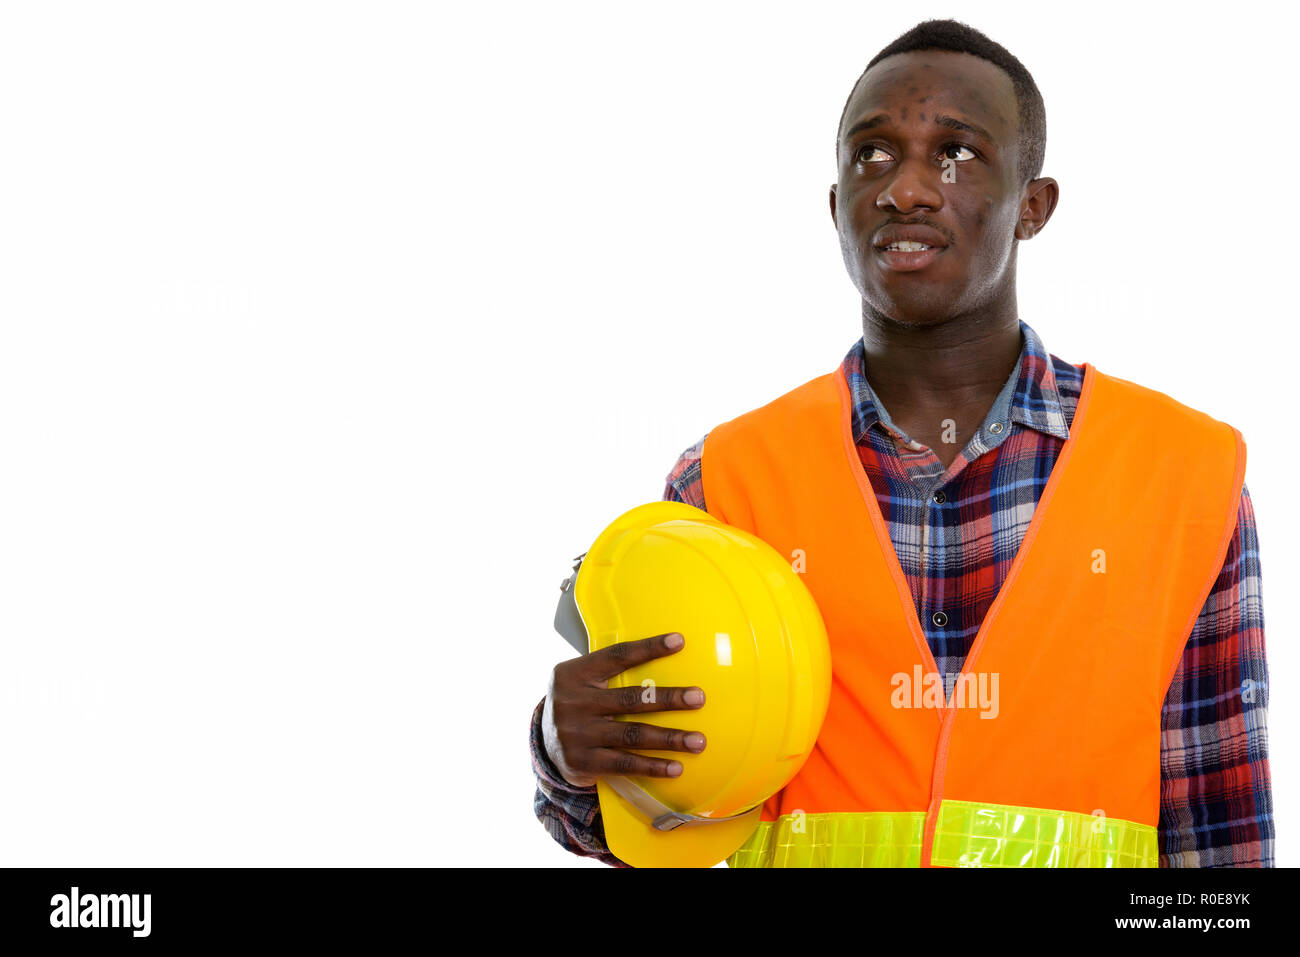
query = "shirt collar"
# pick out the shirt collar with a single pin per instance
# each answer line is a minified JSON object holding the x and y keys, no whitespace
{"x":1033,"y":401}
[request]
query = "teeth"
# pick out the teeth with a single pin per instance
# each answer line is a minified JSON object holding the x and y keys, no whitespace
{"x":907,"y":247}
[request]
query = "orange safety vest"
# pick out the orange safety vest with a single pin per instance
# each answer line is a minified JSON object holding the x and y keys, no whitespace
{"x":1083,"y":638}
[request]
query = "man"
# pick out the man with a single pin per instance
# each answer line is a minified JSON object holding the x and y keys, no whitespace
{"x":958,"y":418}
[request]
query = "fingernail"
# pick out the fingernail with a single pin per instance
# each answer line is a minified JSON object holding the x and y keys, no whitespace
{"x":674,"y":640}
{"x":695,"y":741}
{"x":674,"y":769}
{"x":694,"y":697}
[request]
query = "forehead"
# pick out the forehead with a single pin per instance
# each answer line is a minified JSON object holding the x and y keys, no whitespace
{"x":923,"y":83}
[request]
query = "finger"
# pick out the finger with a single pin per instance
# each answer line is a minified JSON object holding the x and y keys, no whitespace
{"x":610,"y":761}
{"x":618,"y":657}
{"x":648,"y":737}
{"x":638,"y":699}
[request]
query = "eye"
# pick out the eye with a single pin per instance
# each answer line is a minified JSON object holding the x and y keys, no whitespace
{"x":958,"y":146}
{"x":867,"y":151}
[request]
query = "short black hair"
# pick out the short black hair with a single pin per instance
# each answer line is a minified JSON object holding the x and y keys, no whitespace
{"x":952,"y":35}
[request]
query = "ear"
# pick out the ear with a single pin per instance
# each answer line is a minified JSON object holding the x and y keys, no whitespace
{"x":834,"y":214}
{"x":1041,"y":197}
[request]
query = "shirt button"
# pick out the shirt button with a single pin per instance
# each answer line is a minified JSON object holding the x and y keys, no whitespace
{"x":939,"y":618}
{"x":996,"y":428}
{"x":940,"y":497}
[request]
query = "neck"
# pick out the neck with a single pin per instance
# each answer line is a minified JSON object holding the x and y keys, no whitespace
{"x":964,"y":361}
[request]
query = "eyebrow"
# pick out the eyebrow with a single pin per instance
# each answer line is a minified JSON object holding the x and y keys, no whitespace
{"x":950,"y":122}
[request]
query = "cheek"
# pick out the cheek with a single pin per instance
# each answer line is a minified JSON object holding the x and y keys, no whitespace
{"x":863,"y":215}
{"x":990,"y":226}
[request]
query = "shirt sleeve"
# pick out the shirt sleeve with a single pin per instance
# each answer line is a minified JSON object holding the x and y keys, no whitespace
{"x":1216,"y":800}
{"x":685,"y":482}
{"x":571,"y":815}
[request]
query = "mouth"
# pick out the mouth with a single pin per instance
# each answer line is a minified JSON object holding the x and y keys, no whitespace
{"x":908,"y":256}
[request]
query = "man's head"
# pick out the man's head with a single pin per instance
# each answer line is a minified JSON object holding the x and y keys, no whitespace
{"x":944,"y":132}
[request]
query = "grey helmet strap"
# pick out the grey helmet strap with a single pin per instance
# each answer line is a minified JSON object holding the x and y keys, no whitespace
{"x":660,"y":815}
{"x":568,"y":622}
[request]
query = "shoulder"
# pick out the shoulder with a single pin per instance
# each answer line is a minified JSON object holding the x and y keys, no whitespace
{"x":789,"y":411}
{"x":1155,"y":423}
{"x":685,"y":481}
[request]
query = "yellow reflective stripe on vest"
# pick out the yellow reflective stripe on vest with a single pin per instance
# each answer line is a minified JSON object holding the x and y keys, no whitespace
{"x":967,"y":834}
{"x":866,"y":839}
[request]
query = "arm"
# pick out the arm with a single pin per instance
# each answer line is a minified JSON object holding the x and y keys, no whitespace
{"x":1216,"y":800}
{"x":571,"y":814}
{"x":685,"y":481}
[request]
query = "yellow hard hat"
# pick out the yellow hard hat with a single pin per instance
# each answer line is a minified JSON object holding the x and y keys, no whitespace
{"x":756,"y":644}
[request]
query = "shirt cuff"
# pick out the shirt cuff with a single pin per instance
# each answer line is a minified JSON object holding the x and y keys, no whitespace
{"x":547,"y":773}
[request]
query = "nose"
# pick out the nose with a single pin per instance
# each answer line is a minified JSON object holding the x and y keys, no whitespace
{"x":914,"y":184}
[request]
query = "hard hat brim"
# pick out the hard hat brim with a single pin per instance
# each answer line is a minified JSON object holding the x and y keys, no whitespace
{"x":633,"y":840}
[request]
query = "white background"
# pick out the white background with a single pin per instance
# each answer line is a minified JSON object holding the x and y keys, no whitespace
{"x":333,"y":331}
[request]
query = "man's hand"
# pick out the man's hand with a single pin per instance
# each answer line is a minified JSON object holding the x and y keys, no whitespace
{"x":582,"y":737}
